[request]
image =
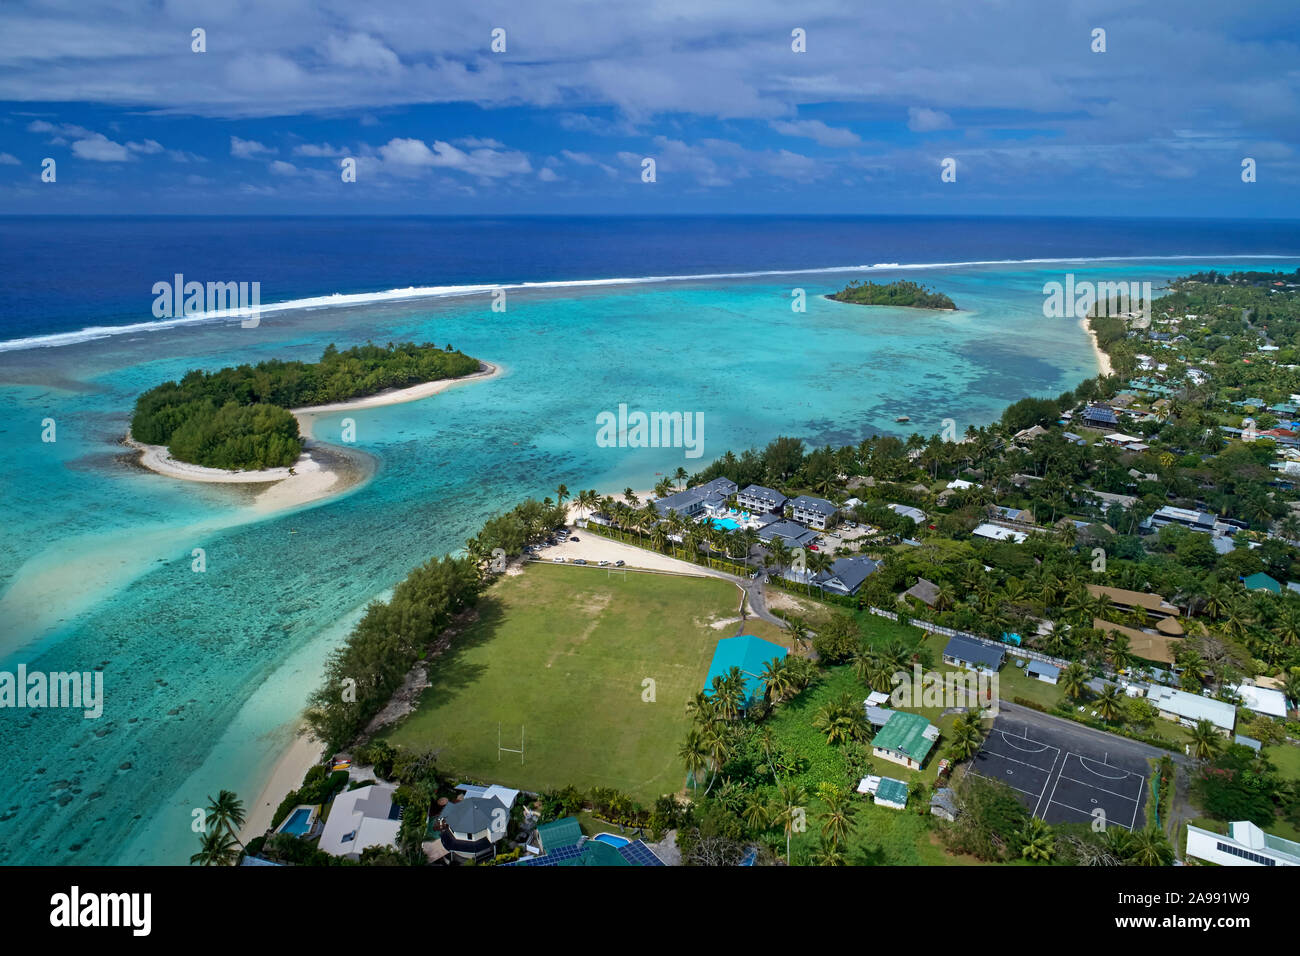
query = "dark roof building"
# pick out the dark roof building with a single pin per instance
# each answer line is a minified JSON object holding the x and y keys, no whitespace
{"x":1099,"y":416}
{"x":760,"y":499}
{"x":976,"y":655}
{"x":692,"y":501}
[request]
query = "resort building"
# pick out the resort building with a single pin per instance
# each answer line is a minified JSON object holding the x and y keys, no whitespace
{"x":815,"y":512}
{"x":1147,"y":645}
{"x":562,"y":843}
{"x":761,"y":500}
{"x":751,"y":654}
{"x":847,"y":575}
{"x":710,"y":497}
{"x":1164,"y":613}
{"x":1245,"y":845}
{"x":905,"y":739}
{"x":361,"y":818}
{"x":1187,"y":709}
{"x":973,"y":655}
{"x":791,"y":534}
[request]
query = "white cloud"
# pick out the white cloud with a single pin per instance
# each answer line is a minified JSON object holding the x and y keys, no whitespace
{"x":101,"y":149}
{"x":249,"y":148}
{"x":281,"y":168}
{"x":483,"y":163}
{"x":318,"y":151}
{"x":547,"y":175}
{"x":818,"y":131}
{"x":360,"y":51}
{"x":925,"y":120}
{"x":8,"y":159}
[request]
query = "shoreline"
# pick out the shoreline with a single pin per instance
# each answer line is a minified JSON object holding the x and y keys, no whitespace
{"x":323,"y":470}
{"x":302,"y":753}
{"x":1103,"y":360}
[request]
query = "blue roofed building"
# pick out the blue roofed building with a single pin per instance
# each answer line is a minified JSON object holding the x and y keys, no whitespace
{"x":751,"y":655}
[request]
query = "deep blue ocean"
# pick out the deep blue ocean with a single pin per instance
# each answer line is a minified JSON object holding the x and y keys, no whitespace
{"x":64,"y":274}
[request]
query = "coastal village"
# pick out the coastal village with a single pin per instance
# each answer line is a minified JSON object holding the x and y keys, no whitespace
{"x":732,"y":667}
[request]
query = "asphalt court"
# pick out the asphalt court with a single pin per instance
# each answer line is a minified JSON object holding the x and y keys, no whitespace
{"x":1063,"y":776}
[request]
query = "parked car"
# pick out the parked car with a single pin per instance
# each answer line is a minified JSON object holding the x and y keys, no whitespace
{"x":558,"y":560}
{"x":618,"y":564}
{"x":604,"y":564}
{"x":580,"y":561}
{"x":575,"y":539}
{"x":813,"y":547}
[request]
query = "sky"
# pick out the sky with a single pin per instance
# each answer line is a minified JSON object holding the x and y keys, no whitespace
{"x":466,"y":107}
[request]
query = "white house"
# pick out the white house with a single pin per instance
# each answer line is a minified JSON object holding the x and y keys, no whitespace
{"x":361,"y":818}
{"x":1187,"y":709}
{"x":1262,"y":700}
{"x":1245,"y":845}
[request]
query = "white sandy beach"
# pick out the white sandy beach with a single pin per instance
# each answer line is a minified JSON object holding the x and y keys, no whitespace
{"x":287,"y":775}
{"x":315,"y":475}
{"x":1103,"y":360}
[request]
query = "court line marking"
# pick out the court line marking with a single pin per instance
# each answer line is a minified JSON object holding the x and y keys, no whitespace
{"x":1028,"y":750}
{"x":994,"y":753}
{"x":1028,"y":793}
{"x":1049,"y":777}
{"x":1088,"y":813}
{"x":1084,"y":761}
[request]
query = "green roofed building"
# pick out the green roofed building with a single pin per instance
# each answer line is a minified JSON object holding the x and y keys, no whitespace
{"x":892,"y":793}
{"x":558,"y":833}
{"x":751,"y":654}
{"x":905,"y":739}
{"x":1261,"y":582}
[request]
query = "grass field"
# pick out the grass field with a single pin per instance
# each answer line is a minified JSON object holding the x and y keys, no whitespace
{"x":563,"y":652}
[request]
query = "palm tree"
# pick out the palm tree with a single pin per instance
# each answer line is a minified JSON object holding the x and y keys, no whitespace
{"x":561,"y":495}
{"x":1074,"y":680}
{"x":791,"y":798}
{"x":966,"y":737}
{"x":798,"y":631}
{"x":216,"y":849}
{"x":1149,"y":847}
{"x":694,"y":755}
{"x":776,"y":680}
{"x":828,"y":853}
{"x":841,"y":720}
{"x":1206,"y":740}
{"x":226,"y":812}
{"x":1037,"y":842}
{"x":1110,"y":702}
{"x":838,"y":818}
{"x":758,"y":812}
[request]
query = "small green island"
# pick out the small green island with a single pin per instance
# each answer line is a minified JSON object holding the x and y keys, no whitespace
{"x":238,"y":418}
{"x":902,"y":293}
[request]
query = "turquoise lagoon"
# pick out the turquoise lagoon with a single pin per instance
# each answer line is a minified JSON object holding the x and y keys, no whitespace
{"x":205,"y":673}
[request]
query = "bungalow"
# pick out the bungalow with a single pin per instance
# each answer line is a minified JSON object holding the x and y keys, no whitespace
{"x":1262,"y":582}
{"x":1099,"y":416}
{"x":996,"y":532}
{"x":361,"y":818}
{"x":710,"y":497}
{"x":927,"y":592}
{"x":1040,"y":670}
{"x":974,"y":655}
{"x":1262,"y":700}
{"x":815,"y":512}
{"x":761,"y":500}
{"x":470,"y":828}
{"x":846,"y":575}
{"x":905,"y":739}
{"x":943,"y":805}
{"x":891,"y":793}
{"x":1106,"y":499}
{"x":1193,"y":520}
{"x":907,"y":511}
{"x":1187,"y":709}
{"x":1021,"y":516}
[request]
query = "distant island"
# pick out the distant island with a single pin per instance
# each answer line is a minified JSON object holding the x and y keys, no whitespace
{"x":239,"y":418}
{"x":902,"y":293}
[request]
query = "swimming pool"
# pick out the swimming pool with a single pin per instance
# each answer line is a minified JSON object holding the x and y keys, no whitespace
{"x":611,"y":839}
{"x":731,"y":524}
{"x":299,"y":822}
